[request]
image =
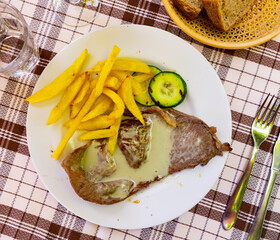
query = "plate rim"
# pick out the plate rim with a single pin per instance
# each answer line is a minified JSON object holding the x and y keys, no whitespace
{"x":124,"y":26}
{"x":167,"y":5}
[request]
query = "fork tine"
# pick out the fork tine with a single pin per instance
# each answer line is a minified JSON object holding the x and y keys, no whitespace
{"x":266,"y":109}
{"x":263,"y":115}
{"x":260,"y":109}
{"x":275,"y":114}
{"x":271,"y":110}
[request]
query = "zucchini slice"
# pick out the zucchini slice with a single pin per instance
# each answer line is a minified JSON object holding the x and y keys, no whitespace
{"x":155,"y":70}
{"x":145,"y":98}
{"x":167,"y":89}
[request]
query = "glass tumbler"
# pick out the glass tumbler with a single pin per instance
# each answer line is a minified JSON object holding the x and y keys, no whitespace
{"x":18,"y":51}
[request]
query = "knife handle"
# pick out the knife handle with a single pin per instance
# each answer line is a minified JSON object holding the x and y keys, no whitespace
{"x":234,"y":204}
{"x":256,"y":229}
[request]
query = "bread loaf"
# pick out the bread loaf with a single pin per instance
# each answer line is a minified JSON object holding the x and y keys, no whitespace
{"x":190,"y":8}
{"x":224,"y":14}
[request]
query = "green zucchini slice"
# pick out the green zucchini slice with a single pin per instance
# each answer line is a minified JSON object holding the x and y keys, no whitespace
{"x":167,"y":89}
{"x":155,"y":70}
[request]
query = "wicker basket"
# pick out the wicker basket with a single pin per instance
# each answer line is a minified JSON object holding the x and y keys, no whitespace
{"x":259,"y":25}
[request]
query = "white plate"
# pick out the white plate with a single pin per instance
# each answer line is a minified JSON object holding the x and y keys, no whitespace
{"x":206,"y":99}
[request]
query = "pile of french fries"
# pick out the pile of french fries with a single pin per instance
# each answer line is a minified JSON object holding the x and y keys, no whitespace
{"x":97,"y":98}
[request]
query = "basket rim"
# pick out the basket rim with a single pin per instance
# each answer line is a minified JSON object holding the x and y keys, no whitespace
{"x":215,"y":43}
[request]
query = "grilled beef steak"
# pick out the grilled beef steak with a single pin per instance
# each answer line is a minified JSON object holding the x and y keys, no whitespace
{"x":191,"y":143}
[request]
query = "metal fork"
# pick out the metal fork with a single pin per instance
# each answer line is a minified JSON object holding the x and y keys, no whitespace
{"x":256,"y":229}
{"x":261,"y":128}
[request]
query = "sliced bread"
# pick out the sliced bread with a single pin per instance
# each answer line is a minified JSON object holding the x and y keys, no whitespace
{"x":224,"y":14}
{"x":190,"y":8}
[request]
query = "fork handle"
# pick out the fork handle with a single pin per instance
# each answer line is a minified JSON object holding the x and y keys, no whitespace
{"x":233,"y":206}
{"x":256,"y":229}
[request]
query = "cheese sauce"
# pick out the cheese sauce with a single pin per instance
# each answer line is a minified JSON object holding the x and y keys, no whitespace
{"x":157,"y":162}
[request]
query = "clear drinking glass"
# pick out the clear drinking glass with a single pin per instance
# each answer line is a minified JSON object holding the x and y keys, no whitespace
{"x":77,"y":13}
{"x":18,"y":51}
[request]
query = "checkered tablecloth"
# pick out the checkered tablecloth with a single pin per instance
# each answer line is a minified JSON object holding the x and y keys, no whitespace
{"x":29,"y":211}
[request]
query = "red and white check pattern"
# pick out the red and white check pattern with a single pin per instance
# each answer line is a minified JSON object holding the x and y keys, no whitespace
{"x":28,"y":211}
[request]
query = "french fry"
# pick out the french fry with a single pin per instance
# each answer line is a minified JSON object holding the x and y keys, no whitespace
{"x":106,"y":70}
{"x":101,"y":105}
{"x":82,"y":93}
{"x":66,"y":99}
{"x":100,"y":122}
{"x":112,"y":83}
{"x":124,"y":64}
{"x":116,"y":113}
{"x":119,"y":105}
{"x":136,"y":87}
{"x":97,"y":67}
{"x":97,"y":134}
{"x":114,"y":96}
{"x":143,"y":77}
{"x":88,"y":104}
{"x":126,"y":94}
{"x":112,"y":142}
{"x":93,"y":82}
{"x":61,"y":82}
{"x":75,"y":108}
{"x":121,"y":75}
